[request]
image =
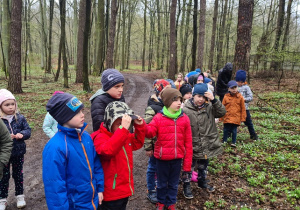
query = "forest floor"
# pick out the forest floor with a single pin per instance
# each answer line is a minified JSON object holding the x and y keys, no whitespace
{"x":256,"y":175}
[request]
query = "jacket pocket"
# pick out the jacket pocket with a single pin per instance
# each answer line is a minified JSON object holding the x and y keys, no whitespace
{"x":214,"y":142}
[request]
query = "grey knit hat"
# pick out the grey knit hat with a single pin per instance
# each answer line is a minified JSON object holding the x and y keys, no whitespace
{"x":111,"y":77}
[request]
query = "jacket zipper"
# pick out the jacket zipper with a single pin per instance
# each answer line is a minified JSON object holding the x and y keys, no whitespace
{"x":128,"y":170}
{"x":175,"y":139}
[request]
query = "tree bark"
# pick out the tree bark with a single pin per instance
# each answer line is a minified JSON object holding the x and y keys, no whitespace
{"x":144,"y":41}
{"x":287,"y":25}
{"x":50,"y":36}
{"x":6,"y":33}
{"x":101,"y":42}
{"x":201,"y":34}
{"x":172,"y":68}
{"x":123,"y":35}
{"x":112,"y":32}
{"x":194,"y":44}
{"x":213,"y":37}
{"x":243,"y":43}
{"x":15,"y":77}
{"x":86,"y":84}
{"x":158,"y":42}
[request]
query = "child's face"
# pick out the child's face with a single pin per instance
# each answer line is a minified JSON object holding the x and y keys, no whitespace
{"x":116,"y":91}
{"x":240,"y":83}
{"x":179,"y":77}
{"x":188,"y":95}
{"x":176,"y":105}
{"x":77,"y":121}
{"x":233,"y":89}
{"x":200,"y":81}
{"x":199,"y":100}
{"x":9,"y":107}
{"x":116,"y":125}
{"x":210,"y":83}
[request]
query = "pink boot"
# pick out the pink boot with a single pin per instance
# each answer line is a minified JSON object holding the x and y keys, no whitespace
{"x":194,"y":176}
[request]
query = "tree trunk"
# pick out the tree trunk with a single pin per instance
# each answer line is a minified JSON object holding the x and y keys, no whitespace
{"x":101,"y":42}
{"x":75,"y":33}
{"x":62,"y":4}
{"x":194,"y":44}
{"x":131,"y":16}
{"x":6,"y":33}
{"x":172,"y":68}
{"x":80,"y":38}
{"x":116,"y":42}
{"x":243,"y":43}
{"x":145,"y":31}
{"x":15,"y":77}
{"x":287,"y":25}
{"x":201,"y":34}
{"x":280,"y":19}
{"x":213,"y":37}
{"x":86,"y":84}
{"x":43,"y":37}
{"x":50,"y":36}
{"x":26,"y":38}
{"x":112,"y":32}
{"x":59,"y":61}
{"x":158,"y":42}
{"x":228,"y":28}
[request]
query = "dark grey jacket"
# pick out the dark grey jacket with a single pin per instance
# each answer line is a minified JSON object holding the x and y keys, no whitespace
{"x":5,"y":146}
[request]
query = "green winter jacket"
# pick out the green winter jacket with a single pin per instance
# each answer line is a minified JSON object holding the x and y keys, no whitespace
{"x":206,"y":143}
{"x":5,"y":146}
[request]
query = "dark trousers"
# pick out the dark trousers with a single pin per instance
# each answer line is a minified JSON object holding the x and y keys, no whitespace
{"x":168,"y":173}
{"x":229,"y":128}
{"x":249,"y":124}
{"x":119,"y":204}
{"x":202,"y":165}
{"x":17,"y":174}
{"x":151,"y":171}
{"x":221,"y":98}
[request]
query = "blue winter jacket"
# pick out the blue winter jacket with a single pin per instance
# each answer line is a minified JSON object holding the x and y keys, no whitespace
{"x":72,"y":172}
{"x":18,"y":125}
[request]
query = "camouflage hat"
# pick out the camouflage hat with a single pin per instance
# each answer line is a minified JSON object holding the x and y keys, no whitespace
{"x":115,"y":110}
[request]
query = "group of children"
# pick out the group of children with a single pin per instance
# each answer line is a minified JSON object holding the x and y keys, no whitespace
{"x":82,"y":171}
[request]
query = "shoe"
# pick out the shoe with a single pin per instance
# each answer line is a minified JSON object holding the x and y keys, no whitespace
{"x":194,"y":176}
{"x":160,"y":206}
{"x":233,"y":145}
{"x":152,"y":196}
{"x":224,"y":142}
{"x":21,"y":201}
{"x":187,"y":191}
{"x":254,"y":137}
{"x":3,"y":203}
{"x":172,"y":207}
{"x":204,"y":185}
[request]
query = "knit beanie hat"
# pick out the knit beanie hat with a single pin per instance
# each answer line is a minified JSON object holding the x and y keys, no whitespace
{"x":115,"y":110}
{"x":240,"y":76}
{"x":171,"y":83}
{"x":232,"y":83}
{"x":200,"y":89}
{"x":63,"y":107}
{"x":6,"y":95}
{"x":184,"y":89}
{"x":207,"y":80}
{"x":111,"y":77}
{"x":198,"y":70}
{"x":159,"y":85}
{"x":169,"y":95}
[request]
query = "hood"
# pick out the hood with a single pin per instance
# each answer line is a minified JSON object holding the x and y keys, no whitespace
{"x":227,"y":69}
{"x":99,"y":92}
{"x":154,"y":100}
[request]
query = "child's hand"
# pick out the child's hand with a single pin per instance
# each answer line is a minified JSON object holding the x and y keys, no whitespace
{"x":149,"y":153}
{"x":126,"y":121}
{"x":12,"y":136}
{"x":139,"y":120}
{"x":100,"y":196}
{"x":209,"y":95}
{"x":19,"y":136}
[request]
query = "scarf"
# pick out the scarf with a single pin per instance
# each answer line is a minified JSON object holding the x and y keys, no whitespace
{"x":170,"y":115}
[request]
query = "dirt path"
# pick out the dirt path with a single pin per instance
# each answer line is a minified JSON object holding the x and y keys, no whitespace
{"x":137,"y":91}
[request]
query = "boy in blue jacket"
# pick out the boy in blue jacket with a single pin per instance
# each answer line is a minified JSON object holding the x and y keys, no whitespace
{"x":72,"y":172}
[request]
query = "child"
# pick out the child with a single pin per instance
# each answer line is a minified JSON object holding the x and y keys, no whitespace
{"x":5,"y":148}
{"x":224,"y":77}
{"x":186,"y":92}
{"x":206,"y":143}
{"x":50,"y":124}
{"x":19,"y":131}
{"x":236,"y":112}
{"x":155,"y":105}
{"x":174,"y":143}
{"x":114,"y":144}
{"x":200,"y":78}
{"x":112,"y":90}
{"x":246,"y":92}
{"x":179,"y":81}
{"x":72,"y":172}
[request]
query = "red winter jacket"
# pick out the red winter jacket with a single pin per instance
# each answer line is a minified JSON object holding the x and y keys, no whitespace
{"x":174,"y":138}
{"x":115,"y":151}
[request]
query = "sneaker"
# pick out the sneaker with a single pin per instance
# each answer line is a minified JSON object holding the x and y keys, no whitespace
{"x":224,"y":142}
{"x":233,"y":145}
{"x":172,"y":207}
{"x":254,"y":137}
{"x":160,"y":206}
{"x":21,"y":201}
{"x":3,"y":203}
{"x":187,"y":191}
{"x":204,"y":185}
{"x":152,"y":196}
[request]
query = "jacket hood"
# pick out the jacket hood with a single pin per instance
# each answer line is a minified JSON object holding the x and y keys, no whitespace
{"x":72,"y":131}
{"x":98,"y":93}
{"x":227,"y":69}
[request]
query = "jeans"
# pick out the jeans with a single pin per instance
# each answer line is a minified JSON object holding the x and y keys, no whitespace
{"x":249,"y":124}
{"x":119,"y":204}
{"x":151,"y":171}
{"x":168,"y":173}
{"x":202,"y":165}
{"x":229,"y":128}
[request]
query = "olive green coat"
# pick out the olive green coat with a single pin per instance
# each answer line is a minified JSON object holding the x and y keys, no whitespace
{"x":5,"y":146}
{"x":206,"y":143}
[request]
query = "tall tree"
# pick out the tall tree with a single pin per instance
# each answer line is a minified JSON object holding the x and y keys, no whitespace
{"x":86,"y":84}
{"x":194,"y":44}
{"x":280,"y":19}
{"x":144,"y":40}
{"x":111,"y":36}
{"x":124,"y":8}
{"x":243,"y":43}
{"x":50,"y":36}
{"x":62,"y":8}
{"x":43,"y":36}
{"x":287,"y":25}
{"x":201,"y":34}
{"x":213,"y":36}
{"x":173,"y":53}
{"x":80,"y":38}
{"x":158,"y":42}
{"x":75,"y":11}
{"x":5,"y":33}
{"x":101,"y":40}
{"x":15,"y":78}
